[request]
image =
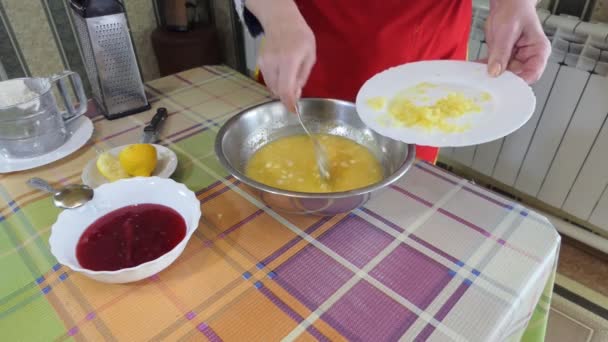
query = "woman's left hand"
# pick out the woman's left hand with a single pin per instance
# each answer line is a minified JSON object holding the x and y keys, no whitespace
{"x":516,"y":40}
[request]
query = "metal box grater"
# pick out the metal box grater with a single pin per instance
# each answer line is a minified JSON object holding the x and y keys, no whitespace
{"x":109,"y":57}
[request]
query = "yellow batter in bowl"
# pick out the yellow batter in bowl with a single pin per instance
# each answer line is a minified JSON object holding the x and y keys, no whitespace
{"x":289,"y":164}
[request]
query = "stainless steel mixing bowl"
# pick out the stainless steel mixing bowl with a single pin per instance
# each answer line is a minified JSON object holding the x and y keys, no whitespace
{"x":245,"y":133}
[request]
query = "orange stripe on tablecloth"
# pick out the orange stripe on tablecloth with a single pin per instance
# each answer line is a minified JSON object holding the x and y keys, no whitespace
{"x":209,"y":307}
{"x":210,"y":242}
{"x":66,"y":319}
{"x":62,"y":277}
{"x":40,"y":195}
{"x":105,"y":306}
{"x":244,"y":85}
{"x":179,"y":305}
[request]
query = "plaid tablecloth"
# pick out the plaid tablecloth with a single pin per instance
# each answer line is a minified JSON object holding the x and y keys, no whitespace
{"x":432,"y":258}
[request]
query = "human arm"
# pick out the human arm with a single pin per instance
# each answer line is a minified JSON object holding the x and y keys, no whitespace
{"x":516,"y":40}
{"x":289,"y":50}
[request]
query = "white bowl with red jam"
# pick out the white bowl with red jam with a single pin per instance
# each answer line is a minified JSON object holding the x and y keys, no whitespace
{"x":131,"y":230}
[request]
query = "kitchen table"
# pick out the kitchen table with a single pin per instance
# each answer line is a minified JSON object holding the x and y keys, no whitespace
{"x":433,"y":257}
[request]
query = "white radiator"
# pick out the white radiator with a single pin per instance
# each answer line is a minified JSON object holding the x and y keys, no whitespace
{"x":560,"y":157}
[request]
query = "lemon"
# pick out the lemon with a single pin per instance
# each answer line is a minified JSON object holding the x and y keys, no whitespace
{"x":109,"y":167}
{"x":138,"y":159}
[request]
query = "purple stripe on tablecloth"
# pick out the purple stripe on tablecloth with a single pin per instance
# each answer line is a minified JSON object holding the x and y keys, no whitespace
{"x":243,"y":222}
{"x":211,"y":70}
{"x":184,"y":130}
{"x":468,"y":224}
{"x":465,"y":222}
{"x":209,"y":187}
{"x":436,"y":174}
{"x":466,"y":188}
{"x":119,"y":133}
{"x":93,"y":111}
{"x":411,"y":236}
{"x":509,"y":206}
{"x":295,"y":240}
{"x":413,"y":275}
{"x":214,"y":184}
{"x":160,"y":93}
{"x":73,"y":331}
{"x":383,"y":220}
{"x":311,"y":276}
{"x":489,"y":199}
{"x":291,"y":313}
{"x":366,"y":314}
{"x":149,"y":96}
{"x":487,"y":234}
{"x":443,"y":312}
{"x":356,"y":240}
{"x":409,"y":194}
{"x":219,"y":192}
{"x":435,"y":249}
{"x":182,"y":79}
{"x":194,"y":133}
{"x":208,"y":332}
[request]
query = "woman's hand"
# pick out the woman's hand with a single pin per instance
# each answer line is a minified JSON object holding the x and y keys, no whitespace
{"x":516,"y":40}
{"x":289,"y":49}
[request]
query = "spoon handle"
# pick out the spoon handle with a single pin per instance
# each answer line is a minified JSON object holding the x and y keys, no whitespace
{"x":321,"y":158}
{"x":41,"y":184}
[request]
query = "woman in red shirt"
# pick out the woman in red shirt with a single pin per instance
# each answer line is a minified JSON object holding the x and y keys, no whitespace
{"x":322,"y":48}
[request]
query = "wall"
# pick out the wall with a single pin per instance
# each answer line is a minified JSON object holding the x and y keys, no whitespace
{"x":230,"y":32}
{"x":37,"y":37}
{"x":600,"y":12}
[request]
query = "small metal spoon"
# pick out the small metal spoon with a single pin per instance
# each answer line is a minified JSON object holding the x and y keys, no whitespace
{"x":69,"y":197}
{"x":320,"y":155}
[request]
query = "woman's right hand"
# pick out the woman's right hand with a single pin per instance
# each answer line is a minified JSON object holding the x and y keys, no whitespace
{"x":289,"y":49}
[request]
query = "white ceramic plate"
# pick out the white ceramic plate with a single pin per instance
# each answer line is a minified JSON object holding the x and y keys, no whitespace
{"x":166,"y":165}
{"x":510,"y":106}
{"x":80,"y":129}
{"x":72,"y":223}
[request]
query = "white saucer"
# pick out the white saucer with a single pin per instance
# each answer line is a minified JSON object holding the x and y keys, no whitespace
{"x":166,"y":165}
{"x":80,"y":132}
{"x":511,"y":105}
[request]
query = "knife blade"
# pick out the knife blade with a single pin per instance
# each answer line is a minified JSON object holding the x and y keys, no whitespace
{"x":150,"y":134}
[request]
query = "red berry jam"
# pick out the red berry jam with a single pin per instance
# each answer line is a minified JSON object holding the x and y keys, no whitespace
{"x":130,"y":236}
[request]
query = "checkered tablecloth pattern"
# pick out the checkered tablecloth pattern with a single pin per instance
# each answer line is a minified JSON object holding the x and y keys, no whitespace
{"x":431,"y":258}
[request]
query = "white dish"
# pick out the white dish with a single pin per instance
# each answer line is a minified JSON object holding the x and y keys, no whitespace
{"x":510,"y":106}
{"x":72,"y":223}
{"x":81,"y":131}
{"x":166,"y":165}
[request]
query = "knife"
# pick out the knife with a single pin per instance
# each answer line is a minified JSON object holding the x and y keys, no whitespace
{"x":150,"y":135}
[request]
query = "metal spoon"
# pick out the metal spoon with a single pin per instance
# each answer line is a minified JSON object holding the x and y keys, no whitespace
{"x":69,"y":197}
{"x":320,"y":155}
